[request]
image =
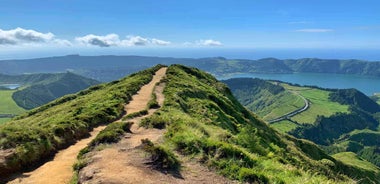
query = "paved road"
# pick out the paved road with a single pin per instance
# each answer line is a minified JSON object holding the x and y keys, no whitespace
{"x":293,"y":113}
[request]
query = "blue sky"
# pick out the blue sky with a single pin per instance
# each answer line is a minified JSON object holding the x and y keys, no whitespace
{"x":74,"y":25}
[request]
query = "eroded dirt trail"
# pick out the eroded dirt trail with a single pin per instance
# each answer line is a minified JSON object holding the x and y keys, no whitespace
{"x":59,"y":170}
{"x":125,"y":162}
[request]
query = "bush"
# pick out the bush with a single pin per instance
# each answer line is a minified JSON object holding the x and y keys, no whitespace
{"x":161,"y":158}
{"x":112,"y":133}
{"x":153,"y":104}
{"x":135,"y":114}
{"x":154,"y":121}
{"x":250,"y":176}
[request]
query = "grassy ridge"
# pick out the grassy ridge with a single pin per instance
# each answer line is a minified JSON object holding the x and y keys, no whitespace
{"x":205,"y":121}
{"x":62,"y":122}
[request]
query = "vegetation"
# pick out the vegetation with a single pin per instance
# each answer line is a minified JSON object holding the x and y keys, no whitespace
{"x":352,"y":159}
{"x":267,"y":100}
{"x":340,"y":120}
{"x":135,"y":114}
{"x":50,"y":88}
{"x":8,"y":106}
{"x":203,"y":120}
{"x":320,"y":104}
{"x":63,"y":121}
{"x":284,"y":126}
{"x":153,"y":104}
{"x":355,"y":98}
{"x":161,"y":157}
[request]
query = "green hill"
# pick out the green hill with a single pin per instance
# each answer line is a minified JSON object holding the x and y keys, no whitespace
{"x":49,"y":87}
{"x":340,"y":120}
{"x":267,"y":100}
{"x":60,"y":123}
{"x":202,"y":119}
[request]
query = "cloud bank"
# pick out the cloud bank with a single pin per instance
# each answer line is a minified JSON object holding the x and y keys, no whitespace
{"x":20,"y":36}
{"x":114,"y":40}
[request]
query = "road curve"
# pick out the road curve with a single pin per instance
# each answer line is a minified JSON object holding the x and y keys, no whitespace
{"x":293,"y":113}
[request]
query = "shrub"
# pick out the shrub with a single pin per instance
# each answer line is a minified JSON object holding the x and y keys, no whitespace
{"x":161,"y":158}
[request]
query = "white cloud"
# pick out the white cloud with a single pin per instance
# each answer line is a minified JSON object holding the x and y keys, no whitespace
{"x":160,"y":42}
{"x":26,"y":37}
{"x":101,"y":41}
{"x":314,"y":30}
{"x":20,"y":36}
{"x":208,"y":42}
{"x":114,"y":40}
{"x":135,"y":41}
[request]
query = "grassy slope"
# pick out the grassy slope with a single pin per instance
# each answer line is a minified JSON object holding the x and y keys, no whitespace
{"x":50,"y":88}
{"x":61,"y":122}
{"x":352,"y":159}
{"x":264,"y":98}
{"x":204,"y":121}
{"x":320,"y":104}
{"x":284,"y":126}
{"x":3,"y":120}
{"x":281,"y":104}
{"x":8,"y":106}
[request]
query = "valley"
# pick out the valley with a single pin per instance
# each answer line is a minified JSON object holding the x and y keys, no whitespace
{"x":339,"y":120}
{"x":19,"y":93}
{"x":199,"y":126}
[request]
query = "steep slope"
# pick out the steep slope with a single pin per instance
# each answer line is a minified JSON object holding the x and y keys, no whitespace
{"x":51,"y":88}
{"x":265,"y":99}
{"x":341,"y":120}
{"x":59,"y":170}
{"x":60,"y":123}
{"x":205,"y":123}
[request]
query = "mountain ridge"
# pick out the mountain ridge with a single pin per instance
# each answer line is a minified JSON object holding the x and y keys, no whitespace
{"x":119,"y":66}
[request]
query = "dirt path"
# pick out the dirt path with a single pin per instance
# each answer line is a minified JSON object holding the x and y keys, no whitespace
{"x":124,"y":162}
{"x":59,"y":170}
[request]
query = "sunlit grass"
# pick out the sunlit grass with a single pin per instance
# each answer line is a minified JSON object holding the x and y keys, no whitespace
{"x":351,"y":158}
{"x":320,"y":104}
{"x":284,"y":126}
{"x":7,"y":104}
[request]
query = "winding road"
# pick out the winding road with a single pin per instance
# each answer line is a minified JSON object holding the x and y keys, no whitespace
{"x":293,"y":113}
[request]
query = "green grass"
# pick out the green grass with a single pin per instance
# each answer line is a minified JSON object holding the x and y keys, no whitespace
{"x":277,"y":105}
{"x":320,"y":105}
{"x":7,"y":104}
{"x":284,"y":126}
{"x":352,"y":159}
{"x":204,"y":121}
{"x":3,"y":120}
{"x":45,"y":129}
